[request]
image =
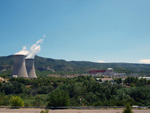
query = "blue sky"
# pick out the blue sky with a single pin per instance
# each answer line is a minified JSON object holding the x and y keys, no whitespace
{"x":80,"y":30}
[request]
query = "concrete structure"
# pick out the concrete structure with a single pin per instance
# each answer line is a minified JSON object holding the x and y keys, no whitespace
{"x":108,"y":72}
{"x":30,"y":68}
{"x":147,"y":78}
{"x":19,"y":69}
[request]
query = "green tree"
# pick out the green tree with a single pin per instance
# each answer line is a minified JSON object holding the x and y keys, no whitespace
{"x":4,"y":100}
{"x":44,"y":89}
{"x":18,"y":87}
{"x":58,"y":98}
{"x":128,"y":109}
{"x":140,"y":95}
{"x":16,"y":101}
{"x":0,"y":84}
{"x":118,"y":80}
{"x":8,"y":88}
{"x":130,"y":80}
{"x":91,"y":98}
{"x":39,"y":100}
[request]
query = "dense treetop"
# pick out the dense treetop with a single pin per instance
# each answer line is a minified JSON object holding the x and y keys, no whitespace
{"x":78,"y":91}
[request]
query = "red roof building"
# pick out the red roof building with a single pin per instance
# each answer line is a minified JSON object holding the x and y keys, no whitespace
{"x":97,"y":71}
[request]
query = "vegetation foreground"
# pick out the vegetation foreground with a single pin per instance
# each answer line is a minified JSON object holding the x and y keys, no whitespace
{"x":79,"y":91}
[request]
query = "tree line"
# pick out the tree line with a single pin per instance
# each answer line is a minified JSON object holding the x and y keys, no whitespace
{"x":78,"y":91}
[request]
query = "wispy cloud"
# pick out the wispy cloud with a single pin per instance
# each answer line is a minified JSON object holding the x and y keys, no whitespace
{"x":44,"y":35}
{"x":100,"y":61}
{"x":145,"y":61}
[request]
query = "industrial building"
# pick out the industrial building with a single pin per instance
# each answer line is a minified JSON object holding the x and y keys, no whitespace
{"x":23,"y":67}
{"x":108,"y":72}
{"x":19,"y":69}
{"x":30,"y":68}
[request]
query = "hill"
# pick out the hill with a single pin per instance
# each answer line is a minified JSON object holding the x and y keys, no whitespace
{"x":49,"y":66}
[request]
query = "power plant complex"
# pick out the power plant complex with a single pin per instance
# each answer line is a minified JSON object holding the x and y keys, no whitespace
{"x":24,"y":61}
{"x":23,"y":67}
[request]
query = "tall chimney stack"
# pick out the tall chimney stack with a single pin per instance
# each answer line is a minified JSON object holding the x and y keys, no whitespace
{"x":19,"y":69}
{"x":30,"y":68}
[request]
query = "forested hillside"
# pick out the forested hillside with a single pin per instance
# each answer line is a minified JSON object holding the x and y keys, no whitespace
{"x":51,"y":66}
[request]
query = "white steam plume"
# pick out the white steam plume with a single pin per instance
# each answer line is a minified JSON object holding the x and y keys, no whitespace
{"x":24,"y":51}
{"x":35,"y":48}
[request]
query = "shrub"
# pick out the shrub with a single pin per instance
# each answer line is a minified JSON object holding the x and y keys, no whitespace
{"x":46,"y":111}
{"x":16,"y":101}
{"x":128,"y":109}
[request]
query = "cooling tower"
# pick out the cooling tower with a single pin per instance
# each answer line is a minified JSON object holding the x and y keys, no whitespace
{"x":19,"y":69}
{"x":30,"y":68}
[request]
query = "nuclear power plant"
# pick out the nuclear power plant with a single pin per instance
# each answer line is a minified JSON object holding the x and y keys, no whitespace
{"x":19,"y":69}
{"x":23,"y":67}
{"x":24,"y":61}
{"x":30,"y":68}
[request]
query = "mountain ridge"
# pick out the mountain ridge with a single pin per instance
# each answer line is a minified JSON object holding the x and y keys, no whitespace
{"x":60,"y":65}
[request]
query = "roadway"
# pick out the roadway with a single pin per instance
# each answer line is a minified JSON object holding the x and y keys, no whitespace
{"x":70,"y":111}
